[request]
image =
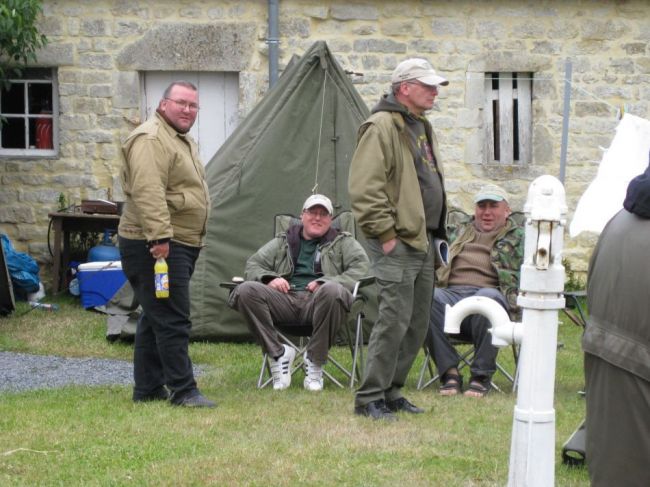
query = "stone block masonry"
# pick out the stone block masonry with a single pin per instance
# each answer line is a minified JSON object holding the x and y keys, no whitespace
{"x":100,"y":48}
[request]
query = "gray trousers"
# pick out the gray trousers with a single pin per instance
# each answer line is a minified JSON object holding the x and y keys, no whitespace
{"x":474,"y":328}
{"x":618,"y":422}
{"x":404,"y":281}
{"x":325,"y":310}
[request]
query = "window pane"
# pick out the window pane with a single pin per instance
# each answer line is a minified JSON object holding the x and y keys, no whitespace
{"x":39,"y":96}
{"x":13,"y":99}
{"x":13,"y":133}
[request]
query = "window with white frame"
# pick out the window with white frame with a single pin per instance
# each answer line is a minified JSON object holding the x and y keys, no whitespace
{"x":508,"y":118}
{"x":28,"y":114}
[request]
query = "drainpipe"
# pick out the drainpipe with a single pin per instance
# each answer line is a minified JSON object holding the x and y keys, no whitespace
{"x":273,"y":41}
{"x":532,"y":451}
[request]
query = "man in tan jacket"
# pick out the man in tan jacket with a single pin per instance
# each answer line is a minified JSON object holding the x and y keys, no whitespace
{"x":165,"y":216}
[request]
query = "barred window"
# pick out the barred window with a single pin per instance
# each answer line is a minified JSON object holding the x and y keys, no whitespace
{"x":508,"y":118}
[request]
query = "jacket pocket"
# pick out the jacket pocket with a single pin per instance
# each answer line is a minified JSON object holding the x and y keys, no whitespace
{"x":176,"y":200}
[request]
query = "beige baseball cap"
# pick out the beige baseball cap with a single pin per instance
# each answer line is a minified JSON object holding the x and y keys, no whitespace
{"x":491,"y":192}
{"x":419,"y":69}
{"x":319,"y":200}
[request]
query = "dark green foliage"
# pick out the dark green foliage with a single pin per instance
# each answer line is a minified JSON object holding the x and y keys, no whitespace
{"x":574,"y":281}
{"x":19,"y":37}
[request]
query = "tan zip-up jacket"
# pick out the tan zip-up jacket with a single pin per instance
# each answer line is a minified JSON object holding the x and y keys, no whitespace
{"x":164,"y":183}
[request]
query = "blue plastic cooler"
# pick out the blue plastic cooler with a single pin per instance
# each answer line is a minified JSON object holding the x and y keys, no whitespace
{"x":99,"y":281}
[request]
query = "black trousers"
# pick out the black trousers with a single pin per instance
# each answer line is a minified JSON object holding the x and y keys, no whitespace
{"x":161,"y":355}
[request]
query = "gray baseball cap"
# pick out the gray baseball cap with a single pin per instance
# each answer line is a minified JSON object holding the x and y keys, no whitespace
{"x":491,"y":192}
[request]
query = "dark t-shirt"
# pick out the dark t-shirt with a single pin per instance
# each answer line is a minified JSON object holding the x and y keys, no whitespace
{"x":427,"y":171}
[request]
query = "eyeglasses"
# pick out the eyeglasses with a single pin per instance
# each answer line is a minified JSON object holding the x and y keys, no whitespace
{"x":185,"y":105}
{"x":317,"y":213}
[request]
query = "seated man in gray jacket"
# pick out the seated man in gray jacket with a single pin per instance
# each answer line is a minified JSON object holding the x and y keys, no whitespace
{"x":304,"y":275}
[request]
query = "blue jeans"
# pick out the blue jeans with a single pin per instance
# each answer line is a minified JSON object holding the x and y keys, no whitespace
{"x":161,"y":356}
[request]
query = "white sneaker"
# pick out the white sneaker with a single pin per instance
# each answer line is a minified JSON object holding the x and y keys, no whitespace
{"x":281,"y":368}
{"x":314,"y":378}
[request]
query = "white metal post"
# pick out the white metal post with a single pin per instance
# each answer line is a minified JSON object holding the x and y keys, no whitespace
{"x":532,"y":452}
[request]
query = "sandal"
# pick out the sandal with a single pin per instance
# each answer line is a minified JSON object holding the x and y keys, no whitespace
{"x":479,"y":386}
{"x":452,"y":384}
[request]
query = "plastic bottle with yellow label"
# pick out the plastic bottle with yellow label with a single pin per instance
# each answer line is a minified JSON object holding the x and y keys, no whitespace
{"x":162,"y":278}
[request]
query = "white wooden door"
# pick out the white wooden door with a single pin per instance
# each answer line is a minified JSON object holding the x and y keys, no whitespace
{"x":218,"y":97}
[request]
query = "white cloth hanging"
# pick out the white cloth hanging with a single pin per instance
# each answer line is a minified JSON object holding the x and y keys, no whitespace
{"x":626,"y":158}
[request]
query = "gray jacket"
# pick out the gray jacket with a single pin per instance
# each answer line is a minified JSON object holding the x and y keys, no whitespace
{"x":618,"y":328}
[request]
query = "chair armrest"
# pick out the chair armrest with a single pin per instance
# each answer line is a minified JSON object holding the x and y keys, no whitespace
{"x":234,"y":282}
{"x":363,"y":282}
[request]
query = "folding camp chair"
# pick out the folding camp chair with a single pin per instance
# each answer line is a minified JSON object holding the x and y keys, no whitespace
{"x":456,"y":218}
{"x":297,"y":335}
{"x":574,"y":308}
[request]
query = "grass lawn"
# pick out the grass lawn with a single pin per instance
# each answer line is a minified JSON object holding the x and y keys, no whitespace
{"x":97,"y":436}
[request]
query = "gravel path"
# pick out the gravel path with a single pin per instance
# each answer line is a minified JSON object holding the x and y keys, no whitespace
{"x":21,"y":372}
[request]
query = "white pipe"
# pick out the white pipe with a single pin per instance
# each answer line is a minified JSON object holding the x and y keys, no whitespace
{"x":503,"y":330}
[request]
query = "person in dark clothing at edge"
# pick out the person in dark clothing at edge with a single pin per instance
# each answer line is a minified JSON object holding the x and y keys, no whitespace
{"x":616,"y":344}
{"x":398,"y":198}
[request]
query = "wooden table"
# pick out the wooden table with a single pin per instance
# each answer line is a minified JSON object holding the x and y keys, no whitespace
{"x":66,"y":223}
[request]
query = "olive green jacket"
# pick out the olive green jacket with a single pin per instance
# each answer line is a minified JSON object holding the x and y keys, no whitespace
{"x":383,"y":183}
{"x":164,"y":183}
{"x":343,"y":260}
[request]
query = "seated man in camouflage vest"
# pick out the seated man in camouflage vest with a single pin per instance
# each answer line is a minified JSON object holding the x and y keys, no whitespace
{"x":485,"y":257}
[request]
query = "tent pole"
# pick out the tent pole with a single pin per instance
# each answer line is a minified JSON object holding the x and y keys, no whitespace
{"x":568,"y":68}
{"x":273,"y":41}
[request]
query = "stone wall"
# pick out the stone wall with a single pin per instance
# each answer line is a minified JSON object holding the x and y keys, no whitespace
{"x":100,"y":47}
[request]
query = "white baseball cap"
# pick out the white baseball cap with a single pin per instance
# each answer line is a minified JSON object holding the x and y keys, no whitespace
{"x":419,"y":69}
{"x":319,"y":200}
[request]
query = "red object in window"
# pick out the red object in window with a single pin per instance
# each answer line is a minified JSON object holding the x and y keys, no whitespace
{"x":44,"y":133}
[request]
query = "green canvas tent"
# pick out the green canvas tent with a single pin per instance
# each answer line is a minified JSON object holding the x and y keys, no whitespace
{"x":298,"y":140}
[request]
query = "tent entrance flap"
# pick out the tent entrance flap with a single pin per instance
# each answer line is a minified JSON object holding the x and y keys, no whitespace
{"x":297,"y":140}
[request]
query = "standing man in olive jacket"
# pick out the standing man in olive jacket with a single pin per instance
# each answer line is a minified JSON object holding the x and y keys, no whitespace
{"x":165,"y":215}
{"x":398,"y":198}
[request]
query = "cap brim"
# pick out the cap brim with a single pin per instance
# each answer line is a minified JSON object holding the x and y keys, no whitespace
{"x":488,"y":197}
{"x":433,"y":80}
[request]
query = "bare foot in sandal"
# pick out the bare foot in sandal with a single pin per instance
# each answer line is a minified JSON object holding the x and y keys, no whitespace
{"x":452,"y":383}
{"x":478,"y":387}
